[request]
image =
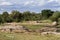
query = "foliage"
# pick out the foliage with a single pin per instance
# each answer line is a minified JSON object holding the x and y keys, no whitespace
{"x":16,"y":16}
{"x":55,"y":16}
{"x":46,"y":13}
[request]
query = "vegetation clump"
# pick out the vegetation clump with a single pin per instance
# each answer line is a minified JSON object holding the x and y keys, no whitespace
{"x":16,"y":16}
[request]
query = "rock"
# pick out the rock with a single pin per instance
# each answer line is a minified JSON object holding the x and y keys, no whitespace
{"x":13,"y":28}
{"x":53,"y":24}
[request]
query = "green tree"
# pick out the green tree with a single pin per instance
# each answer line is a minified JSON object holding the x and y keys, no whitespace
{"x":1,"y":19}
{"x":27,"y":16}
{"x":46,"y":14}
{"x":16,"y":15}
{"x":55,"y":16}
{"x":5,"y":16}
{"x":31,"y":16}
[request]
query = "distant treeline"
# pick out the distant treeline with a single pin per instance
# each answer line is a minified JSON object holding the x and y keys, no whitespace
{"x":16,"y":16}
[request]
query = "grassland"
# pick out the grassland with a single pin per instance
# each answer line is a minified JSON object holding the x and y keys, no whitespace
{"x":29,"y":36}
{"x":25,"y":36}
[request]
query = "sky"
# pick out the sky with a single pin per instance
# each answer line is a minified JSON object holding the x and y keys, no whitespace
{"x":29,"y":5}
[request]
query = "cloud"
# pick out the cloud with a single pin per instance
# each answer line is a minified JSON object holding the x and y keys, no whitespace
{"x":42,"y":3}
{"x":51,"y":0}
{"x":35,"y":3}
{"x":6,"y":3}
{"x":57,"y":1}
{"x":58,"y":9}
{"x":2,"y":9}
{"x":28,"y":3}
{"x":2,"y":0}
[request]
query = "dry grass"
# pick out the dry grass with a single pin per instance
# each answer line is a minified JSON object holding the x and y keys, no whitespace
{"x":25,"y":36}
{"x":29,"y":36}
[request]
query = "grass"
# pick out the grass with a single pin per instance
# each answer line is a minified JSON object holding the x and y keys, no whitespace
{"x":28,"y":36}
{"x":33,"y":27}
{"x":29,"y":26}
{"x":46,"y":21}
{"x":24,"y":36}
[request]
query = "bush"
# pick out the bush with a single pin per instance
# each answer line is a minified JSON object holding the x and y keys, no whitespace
{"x":55,"y":16}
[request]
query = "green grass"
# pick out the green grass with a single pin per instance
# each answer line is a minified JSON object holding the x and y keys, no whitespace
{"x":29,"y":26}
{"x":46,"y":21}
{"x":33,"y":27}
{"x":25,"y":36}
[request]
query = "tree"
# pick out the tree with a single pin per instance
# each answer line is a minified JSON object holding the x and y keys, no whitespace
{"x":46,"y":13}
{"x":31,"y":16}
{"x":5,"y":16}
{"x":1,"y":19}
{"x":55,"y":16}
{"x":16,"y":15}
{"x":27,"y":16}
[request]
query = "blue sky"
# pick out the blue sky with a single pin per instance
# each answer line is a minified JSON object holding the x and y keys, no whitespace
{"x":29,"y":5}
